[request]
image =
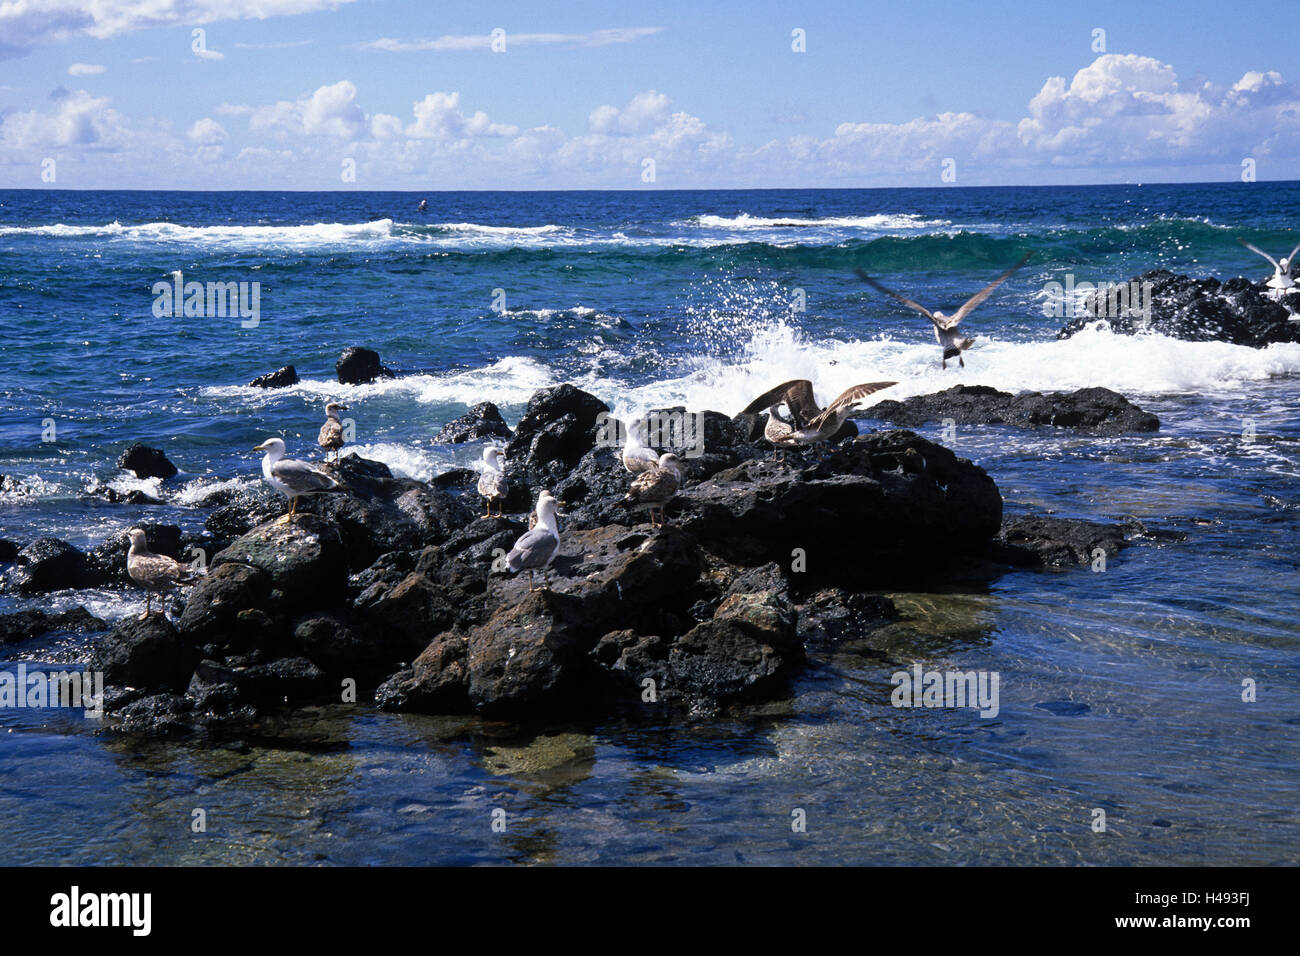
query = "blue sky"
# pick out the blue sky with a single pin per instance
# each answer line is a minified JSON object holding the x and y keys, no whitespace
{"x":585,"y":93}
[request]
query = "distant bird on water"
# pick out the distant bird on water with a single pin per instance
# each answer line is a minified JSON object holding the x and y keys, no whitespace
{"x":493,"y":484}
{"x":655,"y":487}
{"x":291,"y":478}
{"x":331,"y":433}
{"x":809,"y":424}
{"x":156,"y":573}
{"x":947,"y":328}
{"x":537,"y":547}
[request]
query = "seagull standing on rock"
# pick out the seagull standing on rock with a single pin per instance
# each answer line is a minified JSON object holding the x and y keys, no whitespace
{"x":637,"y":458}
{"x":331,"y":433}
{"x":1281,"y":282}
{"x":947,"y":328}
{"x":537,"y":547}
{"x":291,"y":478}
{"x":156,"y":573}
{"x":493,"y":484}
{"x":655,"y":488}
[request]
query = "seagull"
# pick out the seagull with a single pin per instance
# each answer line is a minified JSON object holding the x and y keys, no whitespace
{"x":655,"y":487}
{"x":153,"y":572}
{"x":947,"y":327}
{"x":636,"y":456}
{"x":331,"y":433}
{"x":291,"y":478}
{"x":493,"y":484}
{"x":536,"y":547}
{"x":809,"y":424}
{"x":1281,"y":282}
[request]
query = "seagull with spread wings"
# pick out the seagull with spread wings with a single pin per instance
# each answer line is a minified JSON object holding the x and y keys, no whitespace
{"x":809,"y":423}
{"x":947,"y":328}
{"x":1282,"y":282}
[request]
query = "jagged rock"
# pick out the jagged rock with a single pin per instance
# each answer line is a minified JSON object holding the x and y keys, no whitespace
{"x":832,"y":616}
{"x":212,"y":611}
{"x":360,"y":366}
{"x":1095,"y":410}
{"x":1048,"y":542}
{"x":146,"y":462}
{"x":305,"y":559}
{"x":1198,"y":310}
{"x":48,"y":564}
{"x":23,"y":625}
{"x":8,"y":551}
{"x":280,"y":378}
{"x":481,"y":421}
{"x":145,"y":653}
{"x":558,"y":428}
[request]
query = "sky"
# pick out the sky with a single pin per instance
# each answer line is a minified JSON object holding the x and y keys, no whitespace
{"x":393,"y":94}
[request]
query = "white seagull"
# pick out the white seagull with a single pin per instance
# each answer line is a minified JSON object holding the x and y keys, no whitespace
{"x":536,"y":548}
{"x":947,"y":328}
{"x":1281,"y":282}
{"x":156,"y":573}
{"x":289,"y":477}
{"x":636,"y":456}
{"x":492,"y":483}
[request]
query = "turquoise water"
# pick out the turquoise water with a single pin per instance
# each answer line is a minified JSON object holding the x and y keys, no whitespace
{"x":1120,"y":690}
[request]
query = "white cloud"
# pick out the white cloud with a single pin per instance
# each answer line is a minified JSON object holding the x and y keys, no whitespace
{"x":483,"y":41}
{"x":85,"y":69}
{"x":331,"y":111}
{"x":207,"y":132}
{"x":78,"y":119}
{"x":438,"y":116}
{"x":26,"y":24}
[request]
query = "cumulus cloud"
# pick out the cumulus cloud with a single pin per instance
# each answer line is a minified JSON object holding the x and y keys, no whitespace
{"x":483,"y":41}
{"x":207,"y":132}
{"x":26,"y":24}
{"x":77,"y":119}
{"x":85,"y":69}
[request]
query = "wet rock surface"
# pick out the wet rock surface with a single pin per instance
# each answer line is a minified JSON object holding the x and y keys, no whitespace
{"x":1096,"y":411}
{"x":360,"y":366}
{"x":280,"y":378}
{"x":481,"y":421}
{"x":1198,"y":310}
{"x":146,"y":462}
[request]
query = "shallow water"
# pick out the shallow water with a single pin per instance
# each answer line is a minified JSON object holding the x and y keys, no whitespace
{"x":1120,"y":690}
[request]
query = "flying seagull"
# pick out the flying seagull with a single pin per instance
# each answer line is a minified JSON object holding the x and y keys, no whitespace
{"x":331,"y":433}
{"x":156,"y":573}
{"x":809,"y":424}
{"x":492,"y":483}
{"x":1281,"y":281}
{"x":947,"y":328}
{"x":536,"y":547}
{"x":655,"y":487}
{"x":291,"y":478}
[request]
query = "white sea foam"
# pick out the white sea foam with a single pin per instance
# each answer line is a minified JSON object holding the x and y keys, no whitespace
{"x":880,"y":221}
{"x":321,"y":233}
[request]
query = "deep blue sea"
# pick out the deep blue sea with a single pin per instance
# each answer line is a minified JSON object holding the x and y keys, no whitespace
{"x":1120,"y":690}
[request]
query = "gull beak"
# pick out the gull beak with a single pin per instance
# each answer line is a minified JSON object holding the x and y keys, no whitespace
{"x":259,"y":448}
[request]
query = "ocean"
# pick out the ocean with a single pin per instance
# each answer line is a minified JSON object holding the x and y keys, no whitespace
{"x":1120,"y":691}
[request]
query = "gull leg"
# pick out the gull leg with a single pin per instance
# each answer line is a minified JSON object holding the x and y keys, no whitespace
{"x":148,"y":602}
{"x":961,"y":361}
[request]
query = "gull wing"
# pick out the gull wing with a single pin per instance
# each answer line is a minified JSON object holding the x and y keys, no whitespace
{"x":302,"y":477}
{"x":655,"y":485}
{"x":1291,"y":258}
{"x":894,"y":295}
{"x":797,"y":394}
{"x":533,"y":550}
{"x":850,"y":396}
{"x":1261,"y":252}
{"x":969,"y":305}
{"x":330,"y":433}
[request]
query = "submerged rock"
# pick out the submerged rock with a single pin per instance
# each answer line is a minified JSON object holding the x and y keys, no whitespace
{"x":360,"y":366}
{"x":280,"y":378}
{"x":146,"y":462}
{"x":1049,"y":542}
{"x":23,"y":625}
{"x":1198,"y":310}
{"x":1098,"y":411}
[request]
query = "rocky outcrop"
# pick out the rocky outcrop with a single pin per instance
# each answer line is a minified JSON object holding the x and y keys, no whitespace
{"x":1039,"y":541}
{"x":360,"y":366}
{"x":24,"y":625}
{"x":1198,"y":310}
{"x":146,"y":462}
{"x":1097,"y":411}
{"x":481,"y":421}
{"x":280,"y":378}
{"x":558,"y":428}
{"x":48,"y":564}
